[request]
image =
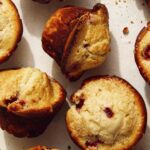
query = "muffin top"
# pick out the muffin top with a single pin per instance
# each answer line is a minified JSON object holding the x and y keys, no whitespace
{"x":108,"y":113}
{"x":28,"y":91}
{"x":142,"y":52}
{"x":10,"y":28}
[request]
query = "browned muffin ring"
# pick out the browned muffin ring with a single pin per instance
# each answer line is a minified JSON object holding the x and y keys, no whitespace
{"x":142,"y":52}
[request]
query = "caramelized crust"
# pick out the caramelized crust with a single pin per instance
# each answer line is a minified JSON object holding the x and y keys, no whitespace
{"x":142,"y":52}
{"x":28,"y":101}
{"x":77,"y":38}
{"x":10,"y":29}
{"x":23,"y":127}
{"x":58,"y":28}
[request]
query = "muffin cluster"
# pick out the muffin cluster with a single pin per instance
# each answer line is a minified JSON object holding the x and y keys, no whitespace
{"x":28,"y":101}
{"x":107,"y":113}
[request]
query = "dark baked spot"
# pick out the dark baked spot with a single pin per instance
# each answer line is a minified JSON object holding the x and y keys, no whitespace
{"x":22,"y":102}
{"x":80,"y":104}
{"x":86,"y":45}
{"x":146,"y":52}
{"x":92,"y":143}
{"x":109,"y":112}
{"x":9,"y":101}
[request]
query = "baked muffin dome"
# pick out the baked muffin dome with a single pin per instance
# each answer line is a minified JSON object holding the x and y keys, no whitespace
{"x":28,"y":101}
{"x":41,"y":148}
{"x":10,"y":28}
{"x":142,"y":52}
{"x":107,"y":113}
{"x":77,"y":38}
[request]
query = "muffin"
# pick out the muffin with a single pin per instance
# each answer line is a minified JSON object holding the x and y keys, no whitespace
{"x":142,"y":52}
{"x":107,"y":113}
{"x":41,"y":148}
{"x":10,"y":28}
{"x":28,"y":101}
{"x":77,"y":38}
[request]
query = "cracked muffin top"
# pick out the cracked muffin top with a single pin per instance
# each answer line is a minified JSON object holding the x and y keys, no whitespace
{"x":77,"y":38}
{"x":107,"y":113}
{"x":28,"y":91}
{"x":142,"y":52}
{"x":10,"y":28}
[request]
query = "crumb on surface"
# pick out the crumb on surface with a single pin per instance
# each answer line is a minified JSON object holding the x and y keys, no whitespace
{"x":126,"y":30}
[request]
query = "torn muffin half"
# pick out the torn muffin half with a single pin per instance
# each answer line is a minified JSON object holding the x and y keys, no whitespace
{"x":77,"y":38}
{"x":107,"y":113}
{"x":28,"y":101}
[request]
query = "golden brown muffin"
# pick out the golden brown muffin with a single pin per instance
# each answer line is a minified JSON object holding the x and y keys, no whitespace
{"x":77,"y":38}
{"x":107,"y":114}
{"x":142,"y":52}
{"x":10,"y":28}
{"x":41,"y":148}
{"x":28,"y":101}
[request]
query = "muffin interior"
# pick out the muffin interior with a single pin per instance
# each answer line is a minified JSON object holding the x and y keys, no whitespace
{"x":28,"y":91}
{"x":88,"y":43}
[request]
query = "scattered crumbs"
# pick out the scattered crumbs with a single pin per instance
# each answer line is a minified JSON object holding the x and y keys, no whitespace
{"x":125,"y":30}
{"x":69,"y":147}
{"x":132,"y":22}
